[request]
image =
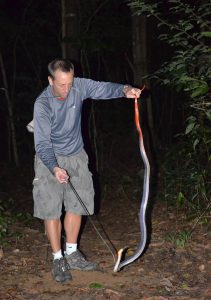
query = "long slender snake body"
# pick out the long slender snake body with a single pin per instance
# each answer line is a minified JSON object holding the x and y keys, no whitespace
{"x":144,"y":201}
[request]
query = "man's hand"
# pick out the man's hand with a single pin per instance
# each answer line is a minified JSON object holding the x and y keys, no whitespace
{"x":131,"y":92}
{"x":61,"y":175}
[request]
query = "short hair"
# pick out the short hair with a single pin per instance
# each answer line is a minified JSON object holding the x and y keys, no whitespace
{"x":63,"y":65}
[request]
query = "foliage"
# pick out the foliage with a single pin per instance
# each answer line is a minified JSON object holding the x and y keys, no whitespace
{"x":179,"y":239}
{"x":96,"y":285}
{"x":186,"y":29}
{"x":185,"y":180}
{"x":7,"y":218}
{"x":4,"y":222}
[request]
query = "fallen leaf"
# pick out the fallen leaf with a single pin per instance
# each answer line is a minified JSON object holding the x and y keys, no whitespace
{"x":1,"y":253}
{"x":202,"y":268}
{"x":16,"y":251}
{"x":166,"y":282}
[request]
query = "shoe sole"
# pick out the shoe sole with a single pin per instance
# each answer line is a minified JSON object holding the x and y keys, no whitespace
{"x":57,"y":279}
{"x":96,"y":268}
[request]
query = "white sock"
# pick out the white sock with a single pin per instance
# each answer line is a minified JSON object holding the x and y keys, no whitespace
{"x":70,"y":248}
{"x":57,"y":255}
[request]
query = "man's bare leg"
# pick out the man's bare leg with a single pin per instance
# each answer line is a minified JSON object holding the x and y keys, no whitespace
{"x":72,"y":224}
{"x":75,"y":259}
{"x":60,"y":269}
{"x":53,"y":231}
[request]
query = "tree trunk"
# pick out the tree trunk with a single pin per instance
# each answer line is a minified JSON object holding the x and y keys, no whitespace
{"x":70,"y":29}
{"x":140,"y":60}
{"x":12,"y":132}
{"x":139,"y":48}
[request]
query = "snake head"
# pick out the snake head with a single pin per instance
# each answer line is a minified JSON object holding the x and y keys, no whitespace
{"x":119,"y":257}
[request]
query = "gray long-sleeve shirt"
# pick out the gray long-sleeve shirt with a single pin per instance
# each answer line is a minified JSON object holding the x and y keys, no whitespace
{"x":57,"y":123}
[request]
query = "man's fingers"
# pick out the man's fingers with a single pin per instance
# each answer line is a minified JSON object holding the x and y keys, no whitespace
{"x":136,"y":92}
{"x":133,"y":92}
{"x":64,"y":178}
{"x":61,"y":175}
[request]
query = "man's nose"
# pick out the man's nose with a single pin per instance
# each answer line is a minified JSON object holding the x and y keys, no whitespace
{"x":66,"y":88}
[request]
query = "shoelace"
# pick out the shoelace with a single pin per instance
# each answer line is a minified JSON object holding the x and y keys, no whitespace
{"x":63,"y":265}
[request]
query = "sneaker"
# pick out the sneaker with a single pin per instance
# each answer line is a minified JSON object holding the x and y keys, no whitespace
{"x":77,"y":261}
{"x":60,"y":270}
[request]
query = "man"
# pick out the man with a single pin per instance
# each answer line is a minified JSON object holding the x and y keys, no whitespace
{"x":60,"y":156}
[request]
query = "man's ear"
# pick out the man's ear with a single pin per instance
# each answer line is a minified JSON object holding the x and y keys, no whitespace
{"x":50,"y":80}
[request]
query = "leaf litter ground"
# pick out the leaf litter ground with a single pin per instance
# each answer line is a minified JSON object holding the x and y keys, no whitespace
{"x":164,"y":271}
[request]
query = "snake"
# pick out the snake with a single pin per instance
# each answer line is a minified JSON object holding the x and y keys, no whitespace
{"x":144,"y":201}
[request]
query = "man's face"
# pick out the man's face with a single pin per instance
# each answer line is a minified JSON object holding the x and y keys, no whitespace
{"x":62,"y":83}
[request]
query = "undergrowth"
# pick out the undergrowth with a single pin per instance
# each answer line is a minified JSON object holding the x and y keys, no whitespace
{"x":185,"y":181}
{"x":179,"y":239}
{"x":9,"y":217}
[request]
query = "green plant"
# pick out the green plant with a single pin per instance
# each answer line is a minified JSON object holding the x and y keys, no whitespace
{"x":96,"y":285}
{"x":186,"y":28}
{"x":24,"y":217}
{"x":7,"y":218}
{"x":179,"y":239}
{"x":185,"y":180}
{"x":4,"y":222}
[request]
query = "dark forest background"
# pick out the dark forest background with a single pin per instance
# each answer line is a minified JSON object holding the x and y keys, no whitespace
{"x":162,"y":44}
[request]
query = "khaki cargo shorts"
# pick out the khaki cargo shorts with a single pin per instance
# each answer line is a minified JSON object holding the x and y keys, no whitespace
{"x":49,"y":195}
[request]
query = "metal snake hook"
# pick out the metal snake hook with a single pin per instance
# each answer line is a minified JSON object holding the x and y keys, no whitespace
{"x":99,"y":223}
{"x":142,"y":214}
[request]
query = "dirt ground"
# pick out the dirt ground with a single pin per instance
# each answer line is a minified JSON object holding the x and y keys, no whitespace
{"x":163,"y":272}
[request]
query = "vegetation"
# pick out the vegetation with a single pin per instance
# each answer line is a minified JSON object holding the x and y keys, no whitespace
{"x":8,"y":217}
{"x":186,"y":29}
{"x":179,"y":239}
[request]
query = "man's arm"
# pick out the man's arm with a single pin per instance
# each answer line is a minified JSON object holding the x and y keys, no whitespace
{"x":43,"y":145}
{"x":107,"y":90}
{"x":42,"y":133}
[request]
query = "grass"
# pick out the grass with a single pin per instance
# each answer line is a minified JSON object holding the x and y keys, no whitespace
{"x":96,"y":285}
{"x":179,"y":239}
